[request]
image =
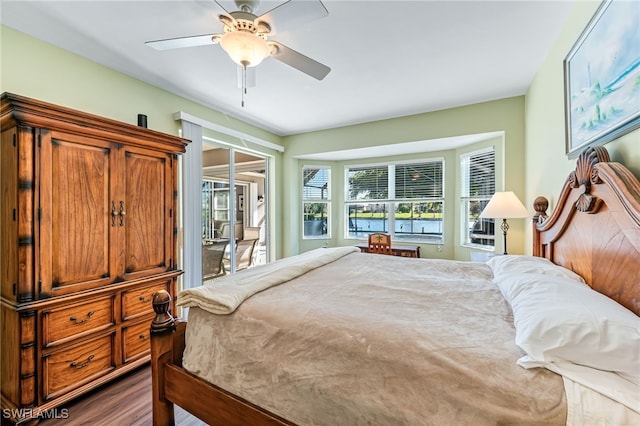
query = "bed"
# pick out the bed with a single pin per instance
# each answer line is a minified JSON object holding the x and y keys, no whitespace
{"x":335,"y":336}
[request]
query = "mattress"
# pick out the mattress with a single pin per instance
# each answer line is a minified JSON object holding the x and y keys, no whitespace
{"x":376,"y":340}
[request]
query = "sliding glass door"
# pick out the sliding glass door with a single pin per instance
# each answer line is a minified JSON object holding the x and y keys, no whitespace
{"x":234,"y":210}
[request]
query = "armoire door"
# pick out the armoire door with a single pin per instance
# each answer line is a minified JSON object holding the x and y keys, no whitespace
{"x":77,"y":227}
{"x":147,"y":185}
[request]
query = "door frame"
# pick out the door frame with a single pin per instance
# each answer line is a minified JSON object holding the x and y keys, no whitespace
{"x":190,"y":201}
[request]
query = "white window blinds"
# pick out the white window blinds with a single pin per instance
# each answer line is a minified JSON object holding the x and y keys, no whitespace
{"x":316,"y":182}
{"x":478,"y":174}
{"x":419,"y":180}
{"x":368,"y":183}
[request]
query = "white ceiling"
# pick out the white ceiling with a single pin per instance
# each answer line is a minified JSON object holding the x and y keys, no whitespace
{"x":388,"y":58}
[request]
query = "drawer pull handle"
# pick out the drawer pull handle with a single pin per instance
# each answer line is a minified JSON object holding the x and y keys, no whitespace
{"x":84,"y":364}
{"x":77,"y":321}
{"x":122,"y":213}
{"x":114,"y":213}
{"x":142,"y":299}
{"x":143,"y":337}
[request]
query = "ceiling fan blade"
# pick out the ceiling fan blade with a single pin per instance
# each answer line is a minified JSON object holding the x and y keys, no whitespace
{"x":180,"y":42}
{"x":222,"y":8}
{"x":298,"y":61}
{"x":292,"y":14}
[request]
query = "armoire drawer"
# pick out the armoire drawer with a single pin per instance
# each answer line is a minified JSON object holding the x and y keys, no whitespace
{"x":135,"y":340}
{"x":71,"y":367}
{"x":137,"y":302}
{"x":72,"y":321}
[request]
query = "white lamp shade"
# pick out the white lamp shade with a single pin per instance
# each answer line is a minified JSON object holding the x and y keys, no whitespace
{"x":504,"y":205}
{"x":245,"y":48}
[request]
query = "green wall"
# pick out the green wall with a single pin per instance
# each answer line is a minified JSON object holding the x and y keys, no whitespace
{"x":546,"y":163}
{"x":504,"y":115}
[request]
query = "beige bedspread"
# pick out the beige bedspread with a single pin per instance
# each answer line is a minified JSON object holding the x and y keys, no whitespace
{"x":224,"y":295}
{"x":377,"y":340}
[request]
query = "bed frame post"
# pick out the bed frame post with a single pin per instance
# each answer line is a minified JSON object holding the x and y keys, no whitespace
{"x":540,"y":205}
{"x":162,"y":329}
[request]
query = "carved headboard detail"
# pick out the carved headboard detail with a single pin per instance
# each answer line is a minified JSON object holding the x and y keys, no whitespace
{"x":595,"y":228}
{"x":586,"y":175}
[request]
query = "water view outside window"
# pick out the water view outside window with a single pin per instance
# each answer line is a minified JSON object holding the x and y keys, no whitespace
{"x":419,"y":222}
{"x":405,"y":200}
{"x":316,"y":203}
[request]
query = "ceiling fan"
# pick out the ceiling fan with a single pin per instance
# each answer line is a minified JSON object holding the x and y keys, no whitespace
{"x":246,"y":36}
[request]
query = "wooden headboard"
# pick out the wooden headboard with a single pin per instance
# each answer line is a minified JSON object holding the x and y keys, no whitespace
{"x":595,"y":228}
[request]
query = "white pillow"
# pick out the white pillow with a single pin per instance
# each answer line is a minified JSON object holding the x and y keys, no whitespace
{"x":558,"y":319}
{"x":511,"y":285}
{"x":515,"y":264}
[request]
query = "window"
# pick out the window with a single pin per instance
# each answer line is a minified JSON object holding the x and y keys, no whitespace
{"x":405,"y":200}
{"x":316,"y":202}
{"x":215,"y":206}
{"x":478,"y":181}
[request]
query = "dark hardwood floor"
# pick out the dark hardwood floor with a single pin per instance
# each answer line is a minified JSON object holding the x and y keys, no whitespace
{"x":124,"y":402}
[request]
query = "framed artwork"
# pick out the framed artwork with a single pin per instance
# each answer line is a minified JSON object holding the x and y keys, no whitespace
{"x":602,"y":78}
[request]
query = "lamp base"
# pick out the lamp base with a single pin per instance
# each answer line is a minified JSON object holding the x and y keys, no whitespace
{"x":505,"y":227}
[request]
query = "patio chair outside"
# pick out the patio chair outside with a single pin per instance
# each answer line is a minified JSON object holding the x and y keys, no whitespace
{"x":244,"y":253}
{"x":212,"y":255}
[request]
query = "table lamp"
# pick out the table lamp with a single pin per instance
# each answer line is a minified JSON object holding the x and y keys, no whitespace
{"x":504,"y":205}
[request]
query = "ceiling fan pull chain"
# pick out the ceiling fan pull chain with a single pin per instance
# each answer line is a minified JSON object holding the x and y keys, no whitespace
{"x":244,"y":83}
{"x":244,"y":79}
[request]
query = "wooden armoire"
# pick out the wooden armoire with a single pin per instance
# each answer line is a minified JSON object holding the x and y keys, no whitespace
{"x":88,"y":234}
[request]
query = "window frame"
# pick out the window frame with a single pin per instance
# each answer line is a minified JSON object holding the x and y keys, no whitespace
{"x":316,"y":200}
{"x":211,"y":212}
{"x":390,"y":203}
{"x":465,"y":234}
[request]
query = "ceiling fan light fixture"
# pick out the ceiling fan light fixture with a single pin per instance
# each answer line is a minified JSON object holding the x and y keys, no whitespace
{"x":244,"y":48}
